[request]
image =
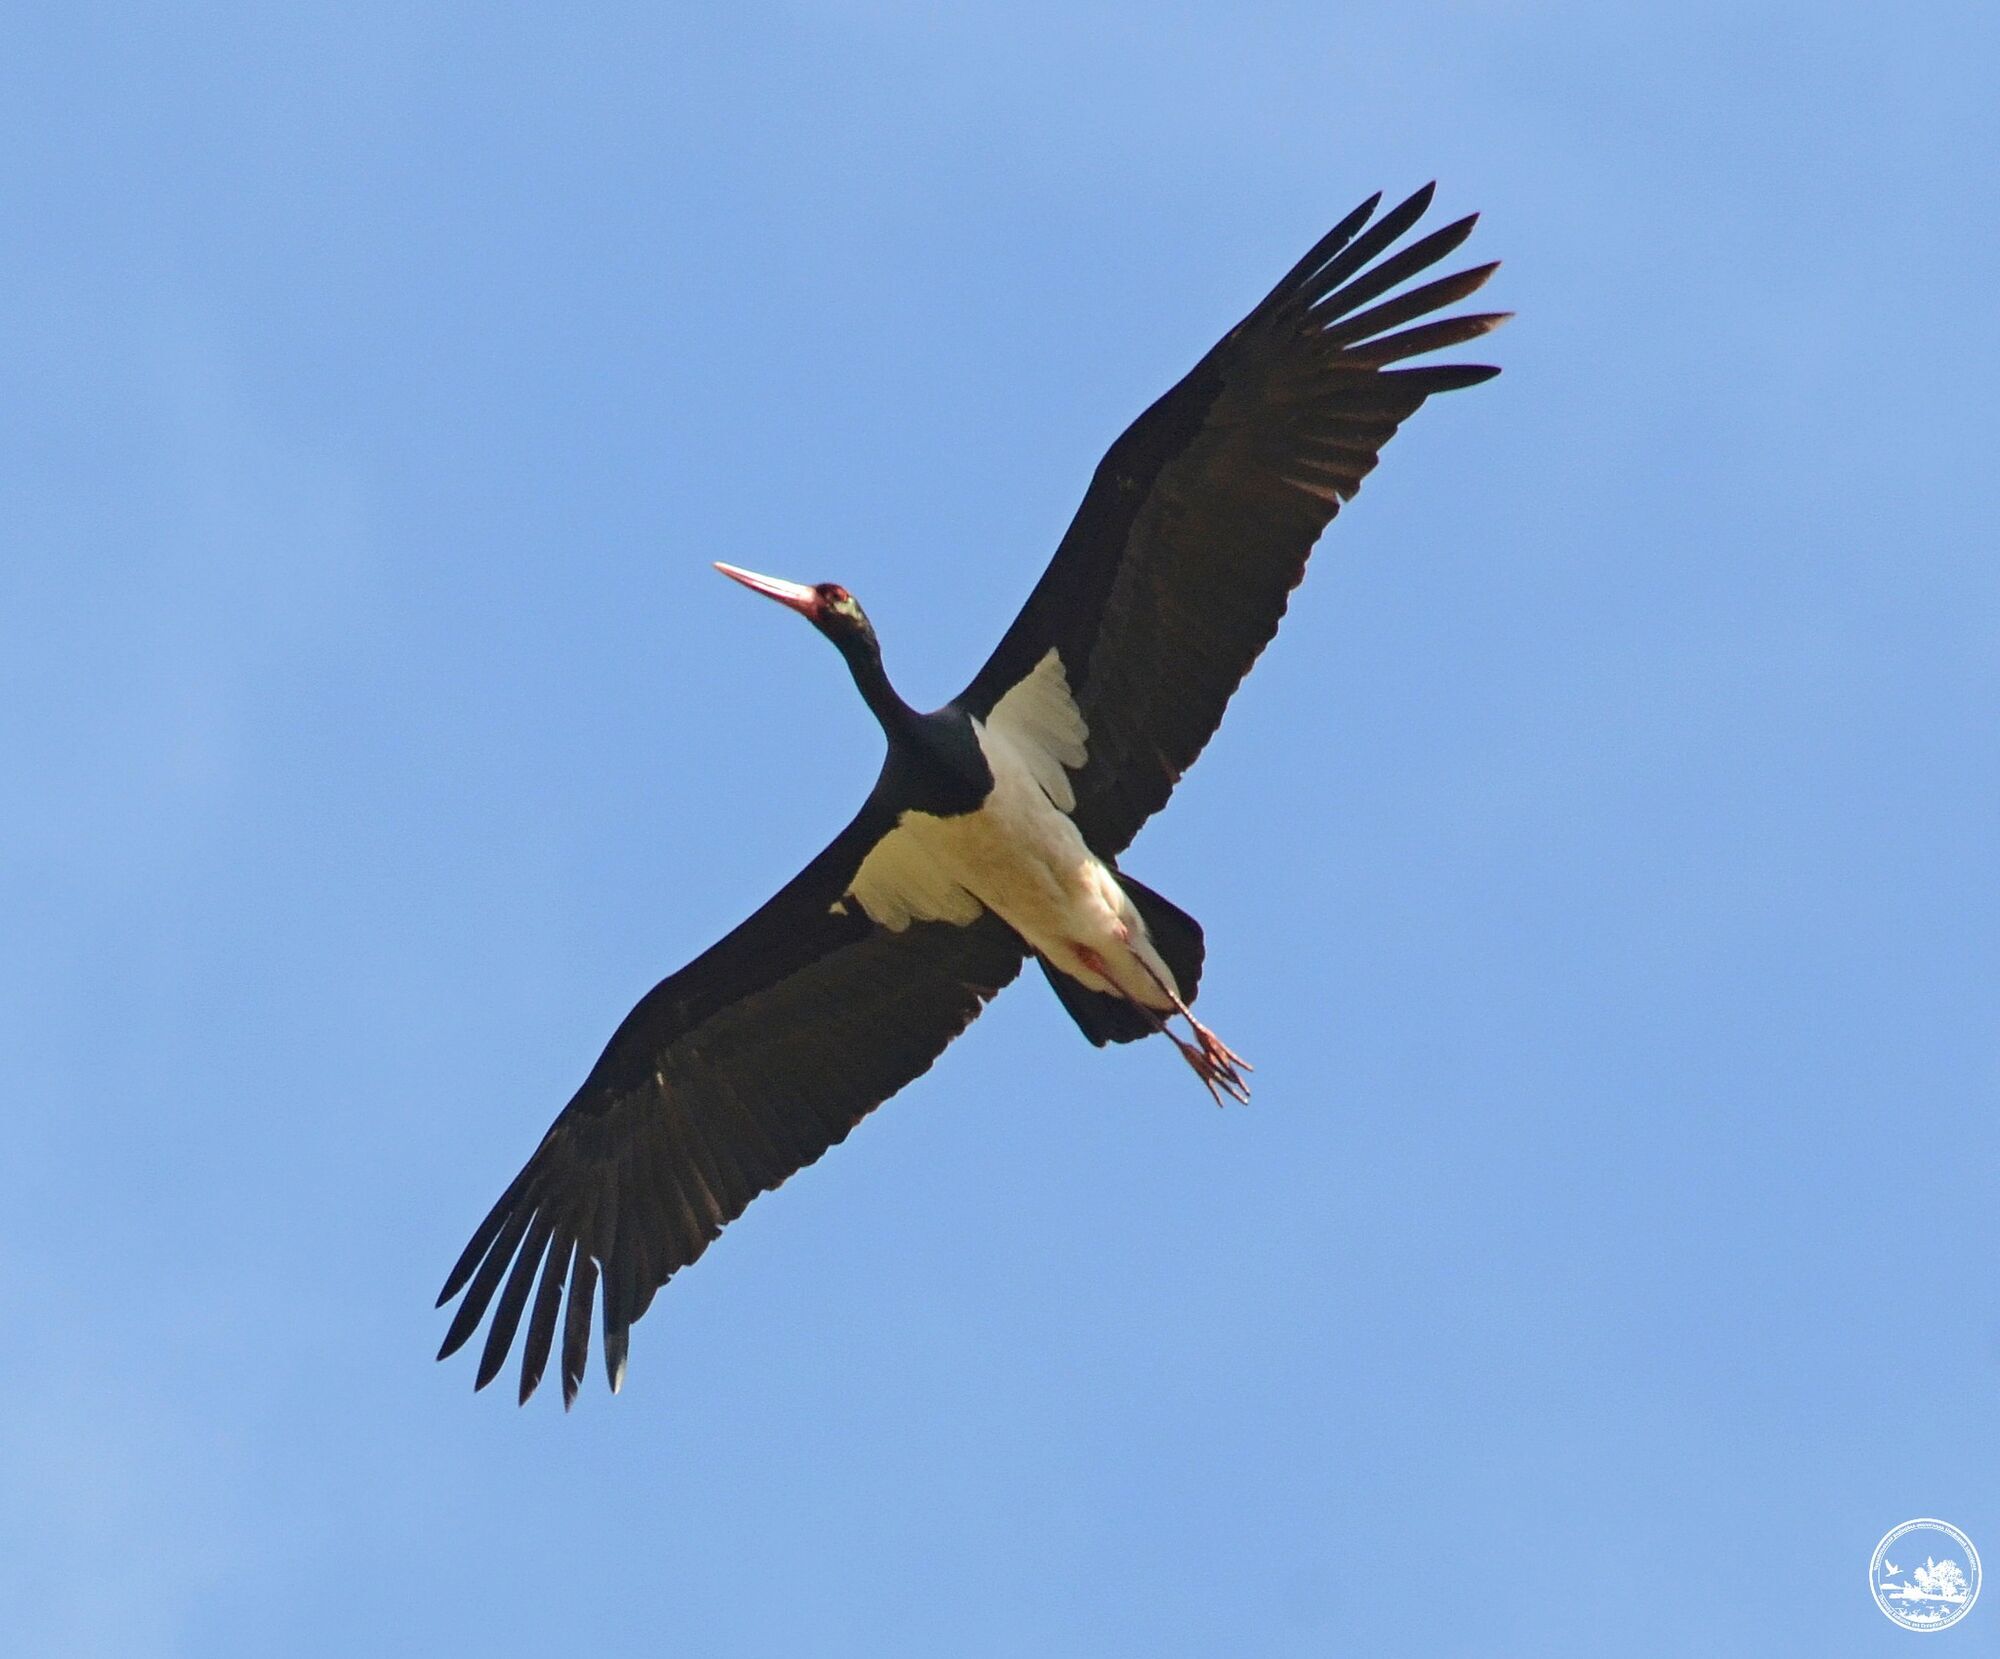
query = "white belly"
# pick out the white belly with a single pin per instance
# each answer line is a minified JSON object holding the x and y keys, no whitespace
{"x":1021,"y":857}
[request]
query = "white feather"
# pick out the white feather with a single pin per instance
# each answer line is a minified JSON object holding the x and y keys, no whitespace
{"x":1020,"y":855}
{"x":1040,"y":720}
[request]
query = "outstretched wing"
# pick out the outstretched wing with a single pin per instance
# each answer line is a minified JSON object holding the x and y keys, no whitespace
{"x":729,"y":1076}
{"x":1177,"y":568}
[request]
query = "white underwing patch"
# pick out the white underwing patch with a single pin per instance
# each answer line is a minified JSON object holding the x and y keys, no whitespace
{"x":1041,"y":721}
{"x":900,"y":881}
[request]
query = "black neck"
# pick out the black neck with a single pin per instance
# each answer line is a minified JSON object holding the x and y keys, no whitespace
{"x":864,"y":662}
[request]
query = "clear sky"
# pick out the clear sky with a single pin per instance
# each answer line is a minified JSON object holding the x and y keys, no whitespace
{"x":1600,"y":869}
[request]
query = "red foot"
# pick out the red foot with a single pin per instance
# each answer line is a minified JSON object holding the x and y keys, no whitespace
{"x":1219,"y":1066}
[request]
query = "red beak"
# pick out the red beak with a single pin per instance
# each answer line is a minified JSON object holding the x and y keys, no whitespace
{"x":806,"y":601}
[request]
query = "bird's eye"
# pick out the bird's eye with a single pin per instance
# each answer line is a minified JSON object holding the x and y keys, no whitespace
{"x":837,"y":599}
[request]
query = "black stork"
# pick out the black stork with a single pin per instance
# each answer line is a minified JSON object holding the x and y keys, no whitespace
{"x":993,"y":831}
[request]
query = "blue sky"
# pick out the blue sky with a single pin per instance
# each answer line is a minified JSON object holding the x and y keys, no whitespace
{"x":1599,"y":870}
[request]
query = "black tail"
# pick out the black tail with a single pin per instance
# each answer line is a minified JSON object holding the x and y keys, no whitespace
{"x":1101,"y":1018}
{"x":1176,"y":936}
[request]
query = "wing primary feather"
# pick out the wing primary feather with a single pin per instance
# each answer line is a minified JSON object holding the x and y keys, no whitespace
{"x":496,"y":1218}
{"x":576,"y":1324}
{"x":1398,"y":393}
{"x":542,"y":1322}
{"x":1322,"y":251}
{"x":1418,"y":256}
{"x":1441,"y":377}
{"x":507,"y":1311}
{"x":617,"y":1327}
{"x":1418,"y":302}
{"x":619,"y":1294}
{"x":1371,"y":242}
{"x":1437,"y":336}
{"x":480,"y":1291}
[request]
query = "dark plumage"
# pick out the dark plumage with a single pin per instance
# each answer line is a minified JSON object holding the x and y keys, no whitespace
{"x":768,"y":1048}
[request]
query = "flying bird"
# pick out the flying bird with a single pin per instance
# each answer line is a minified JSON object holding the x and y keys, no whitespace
{"x":993,"y":832}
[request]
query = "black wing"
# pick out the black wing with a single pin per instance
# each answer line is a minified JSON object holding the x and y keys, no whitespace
{"x":1196,"y":527}
{"x":730,"y":1075}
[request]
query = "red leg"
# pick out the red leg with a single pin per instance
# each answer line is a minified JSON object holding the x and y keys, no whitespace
{"x":1219,"y":1067}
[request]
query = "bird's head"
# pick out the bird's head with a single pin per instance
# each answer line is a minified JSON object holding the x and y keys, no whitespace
{"x":829,"y":607}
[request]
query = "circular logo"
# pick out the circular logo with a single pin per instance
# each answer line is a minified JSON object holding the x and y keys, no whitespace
{"x":1930,"y":1596}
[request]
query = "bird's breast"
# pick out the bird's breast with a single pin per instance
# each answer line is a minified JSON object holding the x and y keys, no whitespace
{"x":1014,"y":850}
{"x":1017,"y":854}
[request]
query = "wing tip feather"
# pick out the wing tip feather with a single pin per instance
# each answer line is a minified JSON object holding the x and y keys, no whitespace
{"x":1452,"y":377}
